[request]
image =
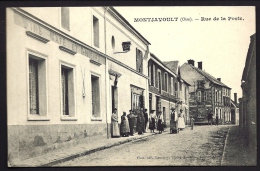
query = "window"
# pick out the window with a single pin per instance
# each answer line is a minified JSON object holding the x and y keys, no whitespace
{"x":150,"y":76}
{"x":205,"y":95}
{"x":33,"y":86}
{"x":176,"y":89}
{"x":113,"y":42}
{"x":65,"y":18}
{"x":199,"y":96}
{"x":139,"y":61}
{"x":171,"y":85}
{"x":37,"y":86}
{"x":185,"y":93}
{"x":153,"y":70}
{"x":95,"y":92}
{"x":166,"y":82}
{"x":96,"y":31}
{"x":159,"y":81}
{"x":67,"y":91}
{"x":135,"y":101}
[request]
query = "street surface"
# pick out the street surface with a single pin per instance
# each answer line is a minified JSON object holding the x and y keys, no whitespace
{"x":202,"y":146}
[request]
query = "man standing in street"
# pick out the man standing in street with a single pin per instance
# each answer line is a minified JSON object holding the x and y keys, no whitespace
{"x":210,"y":118}
{"x":216,"y":123}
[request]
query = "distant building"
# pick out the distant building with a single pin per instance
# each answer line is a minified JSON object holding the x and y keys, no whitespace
{"x":206,"y":94}
{"x":166,"y":90}
{"x":247,"y":105}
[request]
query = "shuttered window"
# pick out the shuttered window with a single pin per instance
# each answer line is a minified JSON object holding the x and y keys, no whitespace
{"x":65,"y":18}
{"x":33,"y":86}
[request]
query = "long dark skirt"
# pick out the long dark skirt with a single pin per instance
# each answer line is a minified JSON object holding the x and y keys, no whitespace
{"x":160,"y":125}
{"x":152,"y":124}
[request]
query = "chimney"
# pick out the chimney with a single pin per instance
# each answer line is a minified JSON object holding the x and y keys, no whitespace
{"x":235,"y":98}
{"x":200,"y":65}
{"x":219,"y":79}
{"x":191,"y":62}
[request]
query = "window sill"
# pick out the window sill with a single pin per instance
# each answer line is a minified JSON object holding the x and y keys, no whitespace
{"x":96,"y":119}
{"x":68,"y":118}
{"x":38,"y":118}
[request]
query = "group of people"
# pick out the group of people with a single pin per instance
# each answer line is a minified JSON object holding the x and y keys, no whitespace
{"x":127,"y":123}
{"x":142,"y":119}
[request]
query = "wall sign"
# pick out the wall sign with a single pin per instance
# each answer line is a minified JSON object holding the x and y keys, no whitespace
{"x":52,"y":35}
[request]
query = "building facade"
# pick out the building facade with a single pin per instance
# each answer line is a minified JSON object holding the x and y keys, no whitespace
{"x":66,"y":72}
{"x":247,"y":105}
{"x":207,"y":94}
{"x":167,"y":90}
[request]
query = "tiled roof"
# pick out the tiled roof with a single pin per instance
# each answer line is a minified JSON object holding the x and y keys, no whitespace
{"x":208,"y":76}
{"x":173,"y":65}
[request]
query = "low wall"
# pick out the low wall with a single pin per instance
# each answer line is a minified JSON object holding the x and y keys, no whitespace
{"x":28,"y":141}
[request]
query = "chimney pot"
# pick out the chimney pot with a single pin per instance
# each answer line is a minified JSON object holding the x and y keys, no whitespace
{"x":219,"y":79}
{"x":200,"y":65}
{"x":191,"y":62}
{"x":235,"y":98}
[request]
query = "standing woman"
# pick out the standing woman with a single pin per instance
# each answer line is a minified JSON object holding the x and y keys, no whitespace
{"x":114,"y":121}
{"x":181,"y":123}
{"x":124,"y":125}
{"x":152,"y":118}
{"x":160,"y":122}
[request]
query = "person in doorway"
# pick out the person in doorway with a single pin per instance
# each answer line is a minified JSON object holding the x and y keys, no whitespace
{"x":216,"y":123}
{"x":145,"y":119}
{"x":114,"y":121}
{"x":152,"y":118}
{"x":140,"y":122}
{"x":210,"y":118}
{"x":181,"y":123}
{"x":160,"y":122}
{"x":124,"y":125}
{"x":130,"y":117}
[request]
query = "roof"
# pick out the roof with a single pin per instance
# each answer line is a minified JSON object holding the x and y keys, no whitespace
{"x":176,"y":63}
{"x":128,"y":24}
{"x":162,"y":63}
{"x":233,"y":103}
{"x":208,"y":76}
{"x":173,"y":65}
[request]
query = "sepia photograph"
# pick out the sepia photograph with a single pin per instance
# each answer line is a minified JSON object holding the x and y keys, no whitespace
{"x":131,"y":86}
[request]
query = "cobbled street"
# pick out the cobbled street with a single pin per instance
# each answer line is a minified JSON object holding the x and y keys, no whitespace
{"x":202,"y":146}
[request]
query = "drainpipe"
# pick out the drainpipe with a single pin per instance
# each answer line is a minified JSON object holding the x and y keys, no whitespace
{"x":106,"y":72}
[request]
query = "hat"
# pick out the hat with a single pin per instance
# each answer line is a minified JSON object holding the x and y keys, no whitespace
{"x":181,"y":110}
{"x":172,"y":108}
{"x":130,"y":110}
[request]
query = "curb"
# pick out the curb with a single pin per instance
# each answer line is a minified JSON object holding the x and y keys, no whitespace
{"x":86,"y":152}
{"x":224,"y":150}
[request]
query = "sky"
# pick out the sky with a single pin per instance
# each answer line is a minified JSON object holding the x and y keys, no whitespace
{"x":221,"y":45}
